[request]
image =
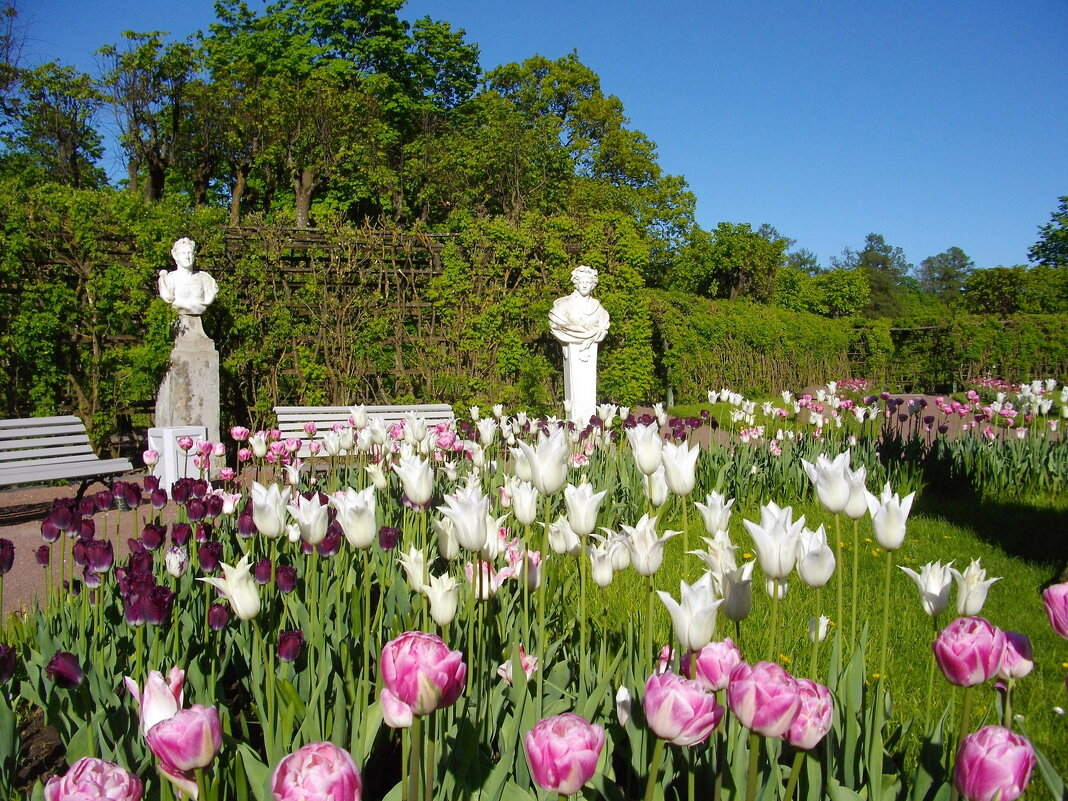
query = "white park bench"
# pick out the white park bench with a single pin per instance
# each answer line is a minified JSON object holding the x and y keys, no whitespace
{"x":40,"y":449}
{"x":291,"y":419}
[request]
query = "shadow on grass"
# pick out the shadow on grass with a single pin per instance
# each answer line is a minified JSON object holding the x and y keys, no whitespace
{"x":1035,"y":531}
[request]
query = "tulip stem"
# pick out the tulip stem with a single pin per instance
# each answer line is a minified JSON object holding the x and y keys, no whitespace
{"x":649,"y":622}
{"x":962,"y":731}
{"x":582,"y":559}
{"x":856,"y":582}
{"x":795,"y":772}
{"x":416,"y":762}
{"x":754,"y":759}
{"x":841,"y":574}
{"x":814,"y":664}
{"x":930,"y":679}
{"x":1007,"y":716}
{"x":654,"y":769}
{"x":886,"y":611}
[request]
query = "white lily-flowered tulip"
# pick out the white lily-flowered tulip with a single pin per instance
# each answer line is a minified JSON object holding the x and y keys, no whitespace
{"x":646,"y":548}
{"x":656,"y":487}
{"x":718,"y":555}
{"x":311,"y":518}
{"x":356,"y":514}
{"x":378,"y":476}
{"x":829,"y":478}
{"x":547,"y":462}
{"x":448,"y":545}
{"x":815,"y":559}
{"x":933,"y":581}
{"x":600,"y":564}
{"x":694,"y":616}
{"x":583,"y":505}
{"x":562,"y":539}
{"x":239,"y":588}
{"x":269,"y":509}
{"x":414,"y":565}
{"x":888,"y":515}
{"x":775,"y":540}
{"x":443,"y":593}
{"x":487,"y":431}
{"x":646,"y":446}
{"x":468,"y":510}
{"x":293,"y":472}
{"x":358,"y":414}
{"x":716,"y":512}
{"x":736,"y":588}
{"x":331,"y":443}
{"x":680,"y":466}
{"x":417,"y":478}
{"x":972,"y":588}
{"x":525,"y":502}
{"x":857,"y":505}
{"x":817,"y":628}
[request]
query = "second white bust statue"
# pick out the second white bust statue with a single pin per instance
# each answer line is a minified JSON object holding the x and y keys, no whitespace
{"x":188,"y":291}
{"x":580,"y":319}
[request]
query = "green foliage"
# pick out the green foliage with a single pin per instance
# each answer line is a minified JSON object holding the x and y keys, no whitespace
{"x":887,"y":272}
{"x":1012,"y":290}
{"x":945,"y":274}
{"x":1051,"y":249}
{"x":831,"y":293}
{"x":734,"y":261}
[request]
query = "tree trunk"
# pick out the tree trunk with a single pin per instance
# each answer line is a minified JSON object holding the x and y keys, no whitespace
{"x":133,"y":166}
{"x":304,"y":184}
{"x":235,"y":196}
{"x":157,"y":174}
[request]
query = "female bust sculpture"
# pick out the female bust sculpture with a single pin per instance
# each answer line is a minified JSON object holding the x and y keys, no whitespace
{"x":579,"y":320}
{"x":187,"y":291}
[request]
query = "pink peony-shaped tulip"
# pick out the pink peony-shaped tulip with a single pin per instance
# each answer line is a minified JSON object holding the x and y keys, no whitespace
{"x":678,"y":710}
{"x":317,"y":772}
{"x":420,"y":674}
{"x":712,"y":665}
{"x":993,"y":763}
{"x":562,"y":752}
{"x":969,"y":651}
{"x":1055,"y":598}
{"x":188,"y":740}
{"x":161,"y":699}
{"x":813,"y":719}
{"x":763,"y":697}
{"x":92,"y":779}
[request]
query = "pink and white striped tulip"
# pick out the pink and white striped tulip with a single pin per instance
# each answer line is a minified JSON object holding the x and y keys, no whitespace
{"x":189,"y":740}
{"x":763,"y":697}
{"x":562,"y":752}
{"x":161,"y":699}
{"x":993,"y":763}
{"x":712,"y":665}
{"x":813,"y":719}
{"x":91,"y":779}
{"x":969,"y":651}
{"x":317,"y":772}
{"x":678,"y":710}
{"x":420,"y":675}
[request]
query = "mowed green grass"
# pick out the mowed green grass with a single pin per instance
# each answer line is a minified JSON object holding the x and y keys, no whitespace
{"x":1022,"y":543}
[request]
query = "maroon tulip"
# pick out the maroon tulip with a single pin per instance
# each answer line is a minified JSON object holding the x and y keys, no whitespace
{"x":7,"y":663}
{"x":290,"y":644}
{"x":180,"y":533}
{"x":132,"y":494}
{"x":43,"y":555}
{"x":218,"y":617}
{"x":285,"y":577}
{"x":210,"y":555}
{"x":158,"y":498}
{"x":203,"y":531}
{"x":62,"y":517}
{"x":196,"y":510}
{"x":139,"y":562}
{"x":104,"y":500}
{"x":101,"y":555}
{"x":331,"y":543}
{"x":64,"y":670}
{"x":181,"y":491}
{"x":246,"y":525}
{"x":86,"y":507}
{"x":262,"y":570}
{"x":153,"y":536}
{"x":200,"y":488}
{"x":49,"y":530}
{"x":7,"y":555}
{"x":151,"y":483}
{"x":87,"y":528}
{"x":387,"y":537}
{"x":160,"y":601}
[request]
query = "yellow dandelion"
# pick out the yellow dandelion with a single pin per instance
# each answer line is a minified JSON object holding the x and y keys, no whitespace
{"x":868,"y":540}
{"x":747,"y":556}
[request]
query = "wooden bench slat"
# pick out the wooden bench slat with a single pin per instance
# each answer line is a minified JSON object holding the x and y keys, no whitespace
{"x":43,"y":454}
{"x":40,"y":422}
{"x":96,"y":467}
{"x":42,"y":442}
{"x":33,"y":432}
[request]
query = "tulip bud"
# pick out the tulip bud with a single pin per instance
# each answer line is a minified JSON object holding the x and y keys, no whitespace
{"x":64,"y":670}
{"x":290,"y":644}
{"x":562,"y":752}
{"x":176,"y":561}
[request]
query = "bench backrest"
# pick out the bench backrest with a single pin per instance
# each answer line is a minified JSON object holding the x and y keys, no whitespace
{"x":291,"y":419}
{"x":39,"y":440}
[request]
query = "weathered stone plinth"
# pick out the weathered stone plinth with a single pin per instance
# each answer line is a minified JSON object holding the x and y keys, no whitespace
{"x":189,"y":394}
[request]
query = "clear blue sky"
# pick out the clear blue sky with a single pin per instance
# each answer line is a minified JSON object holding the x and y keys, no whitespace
{"x":936,"y":124}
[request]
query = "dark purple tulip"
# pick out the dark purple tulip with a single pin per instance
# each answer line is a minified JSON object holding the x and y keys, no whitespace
{"x":901,"y":418}
{"x":942,"y":429}
{"x":151,"y":483}
{"x":200,"y":488}
{"x":180,"y":491}
{"x":80,"y":553}
{"x":928,"y":419}
{"x":140,"y":563}
{"x":388,"y":536}
{"x":285,"y":577}
{"x":246,"y":526}
{"x":43,"y":555}
{"x":289,"y":645}
{"x":101,"y":555}
{"x":210,"y":554}
{"x":7,"y":555}
{"x":196,"y":509}
{"x":64,"y":670}
{"x":159,"y":498}
{"x":331,"y":543}
{"x":218,"y":617}
{"x":203,"y":531}
{"x":215,"y":505}
{"x":74,"y":587}
{"x":180,"y":533}
{"x":49,"y":531}
{"x":104,"y":500}
{"x":135,"y":608}
{"x":160,"y":600}
{"x":87,"y":528}
{"x":61,"y":517}
{"x":306,"y":548}
{"x":261,"y":571}
{"x":87,"y":507}
{"x":153,"y":536}
{"x":133,"y":494}
{"x":7,"y":663}
{"x":91,"y":578}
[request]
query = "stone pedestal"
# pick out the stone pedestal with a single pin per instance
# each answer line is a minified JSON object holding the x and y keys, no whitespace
{"x":189,"y":394}
{"x":580,"y":382}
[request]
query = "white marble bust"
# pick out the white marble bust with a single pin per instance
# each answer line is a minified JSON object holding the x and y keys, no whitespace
{"x":189,"y":291}
{"x":579,"y":320}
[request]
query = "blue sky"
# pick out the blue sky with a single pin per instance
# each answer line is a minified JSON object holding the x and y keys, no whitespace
{"x":935,"y":124}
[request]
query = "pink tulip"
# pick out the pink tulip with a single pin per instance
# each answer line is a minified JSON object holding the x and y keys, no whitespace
{"x":712,"y":665}
{"x":317,"y":772}
{"x":993,"y":763}
{"x":185,"y":443}
{"x":1056,"y":600}
{"x":763,"y":697}
{"x":161,"y":699}
{"x":969,"y":651}
{"x":187,"y":741}
{"x":420,"y":675}
{"x":678,"y":710}
{"x":1018,"y":660}
{"x":562,"y":752}
{"x":92,"y":779}
{"x":813,"y":719}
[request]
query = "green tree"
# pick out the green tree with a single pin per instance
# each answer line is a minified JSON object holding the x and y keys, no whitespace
{"x":733,"y":261}
{"x":997,"y":290}
{"x":887,"y":272}
{"x":945,"y":274}
{"x":1051,"y":249}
